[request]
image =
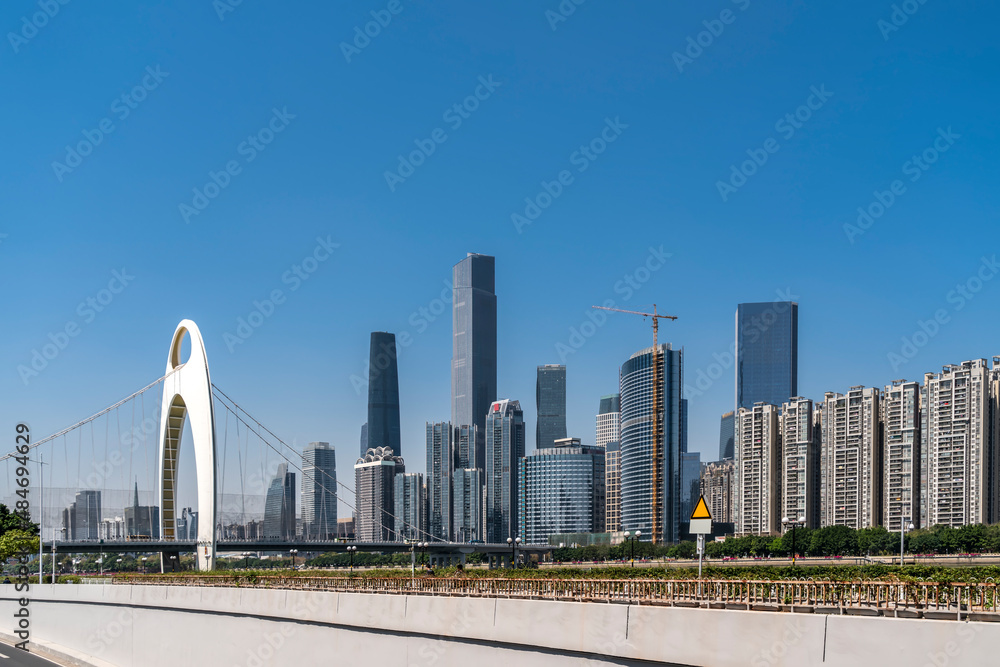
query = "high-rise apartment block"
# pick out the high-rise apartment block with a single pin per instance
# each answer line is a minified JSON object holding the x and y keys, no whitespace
{"x":410,"y":498}
{"x":756,"y":506}
{"x":717,"y":487}
{"x":851,"y":459}
{"x":562,"y":491}
{"x":550,"y":402}
{"x":440,"y":463}
{"x":504,"y":449}
{"x":319,"y":491}
{"x":467,"y":505}
{"x":374,"y":485}
{"x":800,"y":452}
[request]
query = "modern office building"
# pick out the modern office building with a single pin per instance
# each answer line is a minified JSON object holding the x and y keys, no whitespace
{"x":550,"y":402}
{"x":650,"y":465}
{"x":851,"y":459}
{"x":279,"y":506}
{"x":374,"y":485}
{"x":364,"y":438}
{"x":727,"y":435}
{"x":562,"y":491}
{"x":467,"y":505}
{"x":504,"y":449}
{"x":410,"y":497}
{"x":800,"y":452}
{"x":962,"y":438}
{"x":690,"y":483}
{"x":383,"y":393}
{"x":319,"y":491}
{"x":718,"y":486}
{"x":112,"y":529}
{"x":187,"y":525}
{"x":613,"y":486}
{"x":440,"y":463}
{"x":767,"y":351}
{"x":82,"y":519}
{"x":466,"y":454}
{"x":474,"y":344}
{"x":609,"y":420}
{"x":142,"y":521}
{"x":757,"y":502}
{"x":900,"y":418}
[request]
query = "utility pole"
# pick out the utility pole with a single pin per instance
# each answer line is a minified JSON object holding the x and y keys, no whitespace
{"x":657,"y":416}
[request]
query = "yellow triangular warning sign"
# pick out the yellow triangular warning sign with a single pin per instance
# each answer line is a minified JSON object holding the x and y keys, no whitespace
{"x":701,"y":510}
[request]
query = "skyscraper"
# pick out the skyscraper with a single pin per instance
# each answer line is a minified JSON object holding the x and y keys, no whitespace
{"x":375,"y":486}
{"x":717,"y":486}
{"x":562,"y":491}
{"x":550,"y":401}
{"x":767,"y":352}
{"x":319,"y":491}
{"x":757,"y":502}
{"x":901,"y":446}
{"x":279,"y":506}
{"x":410,"y":497}
{"x":504,"y":449}
{"x":690,"y":484}
{"x":82,"y":520}
{"x":466,"y":455}
{"x":608,"y":420}
{"x":467,"y":505}
{"x":800,"y":453}
{"x":474,"y":344}
{"x":727,"y":435}
{"x":609,"y":438}
{"x":440,"y":463}
{"x":142,"y":520}
{"x":364,"y":438}
{"x":851,"y":459}
{"x":644,"y":506}
{"x":383,"y":393}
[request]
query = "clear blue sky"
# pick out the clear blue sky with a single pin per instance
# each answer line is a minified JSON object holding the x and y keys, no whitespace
{"x":885,"y":94}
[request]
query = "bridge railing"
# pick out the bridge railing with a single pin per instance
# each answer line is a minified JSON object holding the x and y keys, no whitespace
{"x":875,"y":595}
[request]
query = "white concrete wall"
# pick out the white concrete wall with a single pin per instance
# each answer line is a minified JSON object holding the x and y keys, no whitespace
{"x":153,"y":626}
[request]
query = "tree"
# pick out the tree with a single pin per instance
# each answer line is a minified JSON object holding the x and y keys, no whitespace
{"x":15,"y":542}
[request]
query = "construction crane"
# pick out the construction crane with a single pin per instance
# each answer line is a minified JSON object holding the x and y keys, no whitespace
{"x":657,"y":415}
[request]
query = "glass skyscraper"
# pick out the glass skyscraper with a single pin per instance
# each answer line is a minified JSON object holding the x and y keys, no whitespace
{"x":767,"y":352}
{"x":637,"y":462}
{"x":319,"y":491}
{"x":562,"y":491}
{"x":440,"y":463}
{"x":279,"y":506}
{"x":550,"y":402}
{"x":474,"y":344}
{"x":727,"y":435}
{"x":383,"y":393}
{"x":467,"y":505}
{"x":504,"y":450}
{"x":411,"y":506}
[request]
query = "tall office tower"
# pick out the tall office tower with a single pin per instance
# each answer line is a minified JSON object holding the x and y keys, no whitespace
{"x":550,"y":402}
{"x":613,"y":486}
{"x":82,"y":520}
{"x":608,"y":420}
{"x":767,"y":352}
{"x":410,"y":497}
{"x":467,"y":505}
{"x":851,"y":459}
{"x":383,"y":393}
{"x":319,"y":491}
{"x":962,"y":455}
{"x":650,"y":471}
{"x":683,"y":441}
{"x":690,"y":483}
{"x":474,"y":345}
{"x":562,"y":491}
{"x":901,"y":446}
{"x":182,"y":525}
{"x":364,"y":438}
{"x":192,"y":520}
{"x":717,"y":486}
{"x":757,"y":502}
{"x":800,"y":451}
{"x":279,"y":506}
{"x":465,"y":439}
{"x":440,"y":463}
{"x":374,"y":485}
{"x":504,"y":450}
{"x":142,"y":520}
{"x":727,"y":435}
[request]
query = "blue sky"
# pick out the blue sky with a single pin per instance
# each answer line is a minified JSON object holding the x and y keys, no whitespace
{"x":336,"y":124}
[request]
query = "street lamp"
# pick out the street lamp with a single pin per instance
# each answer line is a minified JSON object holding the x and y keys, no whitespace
{"x":350,"y":552}
{"x":903,"y":527}
{"x":794,"y":523}
{"x":143,"y":565}
{"x":119,"y":564}
{"x":514,"y":544}
{"x":173,"y":563}
{"x":294,"y":553}
{"x":632,"y":540}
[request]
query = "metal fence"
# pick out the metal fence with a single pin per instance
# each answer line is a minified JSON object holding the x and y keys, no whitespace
{"x":877,"y":596}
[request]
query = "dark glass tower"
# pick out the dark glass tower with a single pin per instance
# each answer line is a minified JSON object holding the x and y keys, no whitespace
{"x":279,"y":506}
{"x":319,"y":491}
{"x":727,"y":435}
{"x":474,"y":345}
{"x":504,"y":451}
{"x":767,"y":352}
{"x":383,"y":393}
{"x":550,"y":401}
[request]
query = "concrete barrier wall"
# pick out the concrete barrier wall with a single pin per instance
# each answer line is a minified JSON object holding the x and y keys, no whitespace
{"x":153,"y":626}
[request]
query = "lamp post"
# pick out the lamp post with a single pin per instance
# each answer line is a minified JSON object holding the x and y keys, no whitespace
{"x":794,"y":523}
{"x":294,"y":553}
{"x":173,"y":563}
{"x":514,"y":544}
{"x":143,"y":564}
{"x":632,"y":539}
{"x":903,"y":527}
{"x":350,"y":552}
{"x":119,"y":561}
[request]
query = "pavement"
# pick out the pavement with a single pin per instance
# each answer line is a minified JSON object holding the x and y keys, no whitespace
{"x":15,"y":657}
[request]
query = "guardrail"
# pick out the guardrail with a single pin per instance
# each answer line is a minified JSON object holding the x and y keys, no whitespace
{"x":876,"y":597}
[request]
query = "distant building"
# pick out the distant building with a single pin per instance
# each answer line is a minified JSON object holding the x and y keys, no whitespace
{"x":82,"y":520}
{"x":851,"y":459}
{"x":279,"y":506}
{"x":440,"y":462}
{"x":717,"y":486}
{"x":410,"y":498}
{"x":608,"y":420}
{"x":345,"y":529}
{"x":112,"y":529}
{"x":727,"y":435}
{"x":190,"y":519}
{"x":609,"y":437}
{"x":800,"y":458}
{"x":374,"y":484}
{"x":767,"y":353}
{"x":757,"y":504}
{"x":383,"y":393}
{"x":319,"y":491}
{"x":550,"y":402}
{"x":142,"y":521}
{"x":364,"y":438}
{"x":690,"y":484}
{"x":901,"y":441}
{"x":562,"y":491}
{"x":466,"y":454}
{"x":467,"y":505}
{"x":504,"y":450}
{"x":641,"y":457}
